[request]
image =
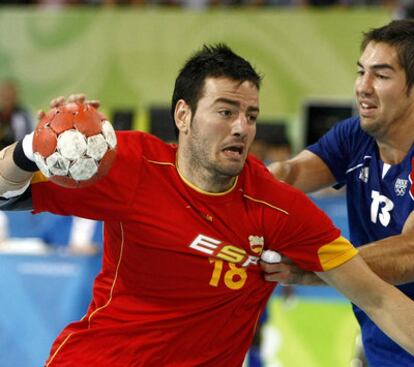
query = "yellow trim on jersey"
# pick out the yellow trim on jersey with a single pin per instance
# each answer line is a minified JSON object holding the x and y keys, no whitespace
{"x":39,"y":177}
{"x":265,"y":203}
{"x":336,"y":253}
{"x":58,"y":349}
{"x":188,"y":183}
{"x":195,"y":188}
{"x":161,"y":163}
{"x":115,"y":277}
{"x":102,"y":307}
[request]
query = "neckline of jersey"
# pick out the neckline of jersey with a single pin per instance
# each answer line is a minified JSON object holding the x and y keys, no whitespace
{"x":206,"y":194}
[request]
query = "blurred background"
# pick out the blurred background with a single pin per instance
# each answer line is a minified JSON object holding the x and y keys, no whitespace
{"x":127,"y":54}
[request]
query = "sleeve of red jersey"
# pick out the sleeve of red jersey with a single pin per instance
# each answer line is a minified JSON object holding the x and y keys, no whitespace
{"x":107,"y":199}
{"x":311,"y":240}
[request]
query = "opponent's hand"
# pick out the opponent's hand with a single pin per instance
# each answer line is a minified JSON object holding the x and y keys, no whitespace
{"x":286,"y":272}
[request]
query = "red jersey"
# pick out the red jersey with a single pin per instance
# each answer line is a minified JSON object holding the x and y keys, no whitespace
{"x":180,"y":283}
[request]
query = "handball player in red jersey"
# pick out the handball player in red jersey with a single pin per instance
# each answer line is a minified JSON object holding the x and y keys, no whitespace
{"x":184,"y":229}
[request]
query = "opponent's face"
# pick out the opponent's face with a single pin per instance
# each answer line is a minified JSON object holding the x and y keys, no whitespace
{"x":383,"y":101}
{"x":222,"y":129}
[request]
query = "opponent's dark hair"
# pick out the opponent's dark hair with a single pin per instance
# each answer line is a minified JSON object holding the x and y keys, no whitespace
{"x":211,"y":61}
{"x":399,"y":34}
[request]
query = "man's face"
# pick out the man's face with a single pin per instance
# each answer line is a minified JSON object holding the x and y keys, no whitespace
{"x":222,"y":128}
{"x":381,"y":91}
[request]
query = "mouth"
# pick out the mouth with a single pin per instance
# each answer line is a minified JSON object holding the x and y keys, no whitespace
{"x":367,"y":108}
{"x":234,"y":151}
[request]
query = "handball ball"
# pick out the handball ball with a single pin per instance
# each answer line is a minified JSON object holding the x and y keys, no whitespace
{"x":74,"y":145}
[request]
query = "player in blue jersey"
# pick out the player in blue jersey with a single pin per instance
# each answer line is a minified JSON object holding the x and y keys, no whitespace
{"x":373,"y":155}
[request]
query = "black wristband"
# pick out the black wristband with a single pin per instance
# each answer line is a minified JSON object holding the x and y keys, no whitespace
{"x":21,"y":160}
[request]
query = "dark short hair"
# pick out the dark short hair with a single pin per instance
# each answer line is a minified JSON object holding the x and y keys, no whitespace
{"x":399,"y":34}
{"x":211,"y":61}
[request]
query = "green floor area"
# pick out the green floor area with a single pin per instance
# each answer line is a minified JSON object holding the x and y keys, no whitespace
{"x":309,"y":333}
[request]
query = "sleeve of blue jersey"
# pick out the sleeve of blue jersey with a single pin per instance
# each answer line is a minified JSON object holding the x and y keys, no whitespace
{"x":335,"y":147}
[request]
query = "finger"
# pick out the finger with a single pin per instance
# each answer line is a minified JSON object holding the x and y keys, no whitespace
{"x":59,"y":101}
{"x":277,"y":277}
{"x":272,"y":268}
{"x":94,"y":103}
{"x":41,"y":114}
{"x":77,"y":98}
{"x":286,"y":260}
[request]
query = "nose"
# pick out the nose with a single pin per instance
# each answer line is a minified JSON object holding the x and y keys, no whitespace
{"x":239,"y":126}
{"x":364,"y":85}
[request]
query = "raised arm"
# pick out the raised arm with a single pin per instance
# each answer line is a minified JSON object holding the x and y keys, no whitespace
{"x":13,"y":179}
{"x":391,"y":310}
{"x":17,"y":160}
{"x":306,"y":171}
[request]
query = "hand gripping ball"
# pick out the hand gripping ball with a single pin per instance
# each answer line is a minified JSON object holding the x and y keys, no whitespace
{"x":74,"y":145}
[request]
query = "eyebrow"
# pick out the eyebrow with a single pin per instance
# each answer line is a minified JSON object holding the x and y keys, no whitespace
{"x":377,"y":66}
{"x":234,"y":103}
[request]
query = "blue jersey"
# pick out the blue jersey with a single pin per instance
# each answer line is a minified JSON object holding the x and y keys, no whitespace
{"x":379,"y":202}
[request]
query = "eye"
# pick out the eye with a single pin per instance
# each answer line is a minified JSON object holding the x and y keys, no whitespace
{"x":225,"y":113}
{"x":360,"y":72}
{"x":383,"y":77}
{"x":252,"y":118}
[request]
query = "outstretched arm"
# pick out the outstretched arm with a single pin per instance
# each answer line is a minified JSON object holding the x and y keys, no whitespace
{"x":306,"y":171}
{"x":390,"y":309}
{"x":13,"y":178}
{"x":391,"y":259}
{"x":17,"y":161}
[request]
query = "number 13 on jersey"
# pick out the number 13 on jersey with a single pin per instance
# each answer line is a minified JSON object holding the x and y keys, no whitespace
{"x":380,"y":208}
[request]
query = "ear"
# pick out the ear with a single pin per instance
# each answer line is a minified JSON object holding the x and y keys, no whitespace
{"x":182,"y":116}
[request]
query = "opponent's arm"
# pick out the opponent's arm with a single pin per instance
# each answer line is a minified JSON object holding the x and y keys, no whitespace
{"x":306,"y":171}
{"x":391,"y":259}
{"x":390,"y":309}
{"x":287,"y":273}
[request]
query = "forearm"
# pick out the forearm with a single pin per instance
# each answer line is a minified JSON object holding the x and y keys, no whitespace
{"x":391,"y":259}
{"x":394,"y":317}
{"x":390,"y":309}
{"x":12,"y":177}
{"x":306,"y":171}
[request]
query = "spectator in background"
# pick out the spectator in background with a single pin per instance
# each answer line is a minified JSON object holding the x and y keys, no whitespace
{"x":404,"y":9}
{"x":15,"y":121}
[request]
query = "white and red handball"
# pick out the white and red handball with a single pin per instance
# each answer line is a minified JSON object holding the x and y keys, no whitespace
{"x":74,"y":145}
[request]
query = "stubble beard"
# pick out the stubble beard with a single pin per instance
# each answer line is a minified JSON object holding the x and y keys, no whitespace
{"x":208,"y":166}
{"x":372,"y":128}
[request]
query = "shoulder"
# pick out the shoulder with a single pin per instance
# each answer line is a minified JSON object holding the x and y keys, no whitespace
{"x":344,"y":139}
{"x":260,"y":186}
{"x":144,"y":145}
